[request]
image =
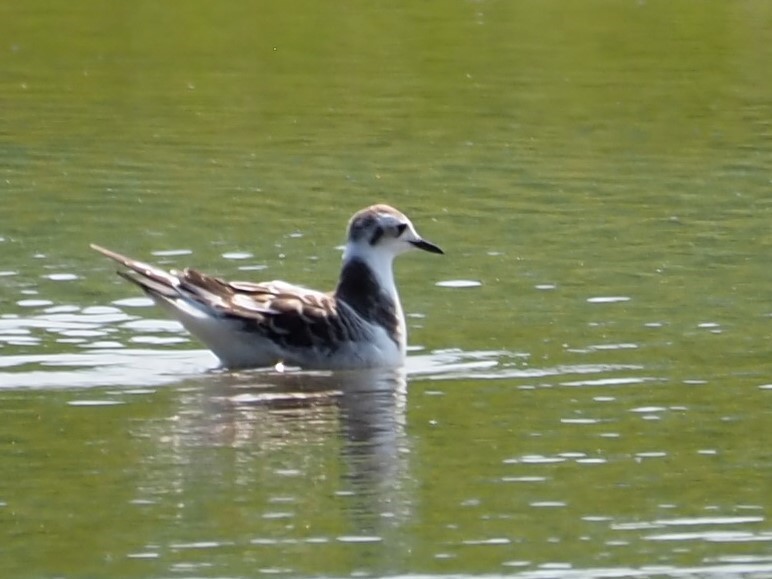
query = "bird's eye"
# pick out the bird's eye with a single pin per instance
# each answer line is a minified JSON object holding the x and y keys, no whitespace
{"x":401,"y":228}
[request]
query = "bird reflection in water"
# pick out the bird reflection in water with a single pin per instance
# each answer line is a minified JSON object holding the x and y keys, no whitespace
{"x":304,"y":420}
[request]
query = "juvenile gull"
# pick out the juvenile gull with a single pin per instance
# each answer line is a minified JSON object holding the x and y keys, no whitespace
{"x":359,"y":325}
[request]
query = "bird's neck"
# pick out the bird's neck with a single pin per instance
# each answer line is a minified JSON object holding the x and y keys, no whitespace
{"x":367,"y":285}
{"x":378,"y":262}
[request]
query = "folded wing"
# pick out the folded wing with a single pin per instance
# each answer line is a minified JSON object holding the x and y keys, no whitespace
{"x":289,"y":316}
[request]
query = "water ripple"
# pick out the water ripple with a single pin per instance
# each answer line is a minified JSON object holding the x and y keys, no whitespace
{"x":105,"y":362}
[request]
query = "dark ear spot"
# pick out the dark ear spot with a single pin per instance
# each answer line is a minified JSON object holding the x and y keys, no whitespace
{"x":377,"y":234}
{"x":401,"y":228}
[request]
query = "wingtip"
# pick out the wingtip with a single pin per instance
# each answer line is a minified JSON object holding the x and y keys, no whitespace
{"x":153,"y":280}
{"x":122,"y":259}
{"x":99,"y":248}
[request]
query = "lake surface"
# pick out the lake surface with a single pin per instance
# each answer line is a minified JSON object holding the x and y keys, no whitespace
{"x":589,"y":386}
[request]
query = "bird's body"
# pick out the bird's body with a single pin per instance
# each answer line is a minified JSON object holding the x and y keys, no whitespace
{"x":359,"y":325}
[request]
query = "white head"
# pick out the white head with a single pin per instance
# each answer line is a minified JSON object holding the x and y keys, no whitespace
{"x":379,"y":233}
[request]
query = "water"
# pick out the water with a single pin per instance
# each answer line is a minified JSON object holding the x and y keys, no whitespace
{"x":588,"y":387}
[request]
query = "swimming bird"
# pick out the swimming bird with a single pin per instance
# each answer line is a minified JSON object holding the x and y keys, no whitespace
{"x":358,"y":325}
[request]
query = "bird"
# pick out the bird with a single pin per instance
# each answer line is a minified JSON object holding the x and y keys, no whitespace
{"x":277,"y":324}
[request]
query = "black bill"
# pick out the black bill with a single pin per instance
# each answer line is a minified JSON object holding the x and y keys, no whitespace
{"x":426,"y":246}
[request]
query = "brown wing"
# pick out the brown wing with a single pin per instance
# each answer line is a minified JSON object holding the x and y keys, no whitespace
{"x":291,"y":316}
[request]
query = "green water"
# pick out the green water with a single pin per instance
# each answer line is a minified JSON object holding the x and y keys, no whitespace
{"x":597,"y":403}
